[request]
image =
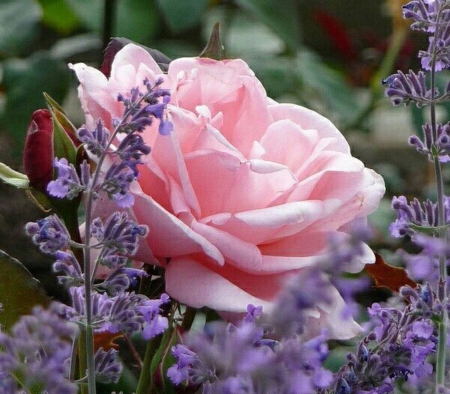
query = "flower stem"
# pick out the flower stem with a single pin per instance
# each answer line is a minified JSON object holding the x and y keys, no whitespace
{"x":145,"y":384}
{"x":442,"y":326}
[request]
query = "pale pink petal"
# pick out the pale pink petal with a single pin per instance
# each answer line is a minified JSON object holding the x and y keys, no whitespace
{"x":308,"y":119}
{"x":169,"y":236}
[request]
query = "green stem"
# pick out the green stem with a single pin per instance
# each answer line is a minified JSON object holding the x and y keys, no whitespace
{"x":188,"y":318}
{"x":109,"y":16}
{"x":442,"y":326}
{"x":145,"y":384}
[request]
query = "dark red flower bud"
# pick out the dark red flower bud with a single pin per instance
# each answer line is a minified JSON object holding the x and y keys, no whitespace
{"x":38,"y":153}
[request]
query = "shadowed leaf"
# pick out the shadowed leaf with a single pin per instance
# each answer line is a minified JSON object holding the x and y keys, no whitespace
{"x":386,"y":275}
{"x":19,"y":291}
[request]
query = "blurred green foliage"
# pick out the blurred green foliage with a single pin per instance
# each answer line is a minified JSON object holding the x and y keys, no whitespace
{"x":39,"y":37}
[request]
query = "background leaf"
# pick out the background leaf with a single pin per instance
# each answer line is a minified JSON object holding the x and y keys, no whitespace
{"x":182,"y":15}
{"x":24,"y":81}
{"x":137,"y":20}
{"x":282,"y":19}
{"x":18,"y":25}
{"x":19,"y":291}
{"x":386,"y":275}
{"x":58,"y":15}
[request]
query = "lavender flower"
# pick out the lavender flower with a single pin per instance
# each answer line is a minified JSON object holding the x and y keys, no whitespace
{"x":38,"y":350}
{"x":397,"y":348}
{"x":97,"y":140}
{"x":125,"y":312}
{"x":406,"y":88}
{"x":68,"y":266}
{"x":301,"y":296}
{"x":49,"y":234}
{"x":107,"y":369}
{"x":440,"y":147}
{"x":67,"y":184}
{"x":119,"y":237}
{"x":414,"y":216}
{"x":226,"y":358}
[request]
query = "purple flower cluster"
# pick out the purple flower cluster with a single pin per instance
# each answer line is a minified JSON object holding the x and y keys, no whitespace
{"x":396,"y":348}
{"x":36,"y":354}
{"x":406,"y":88}
{"x":433,"y":17}
{"x":441,"y":145}
{"x":49,"y":234}
{"x":229,"y":359}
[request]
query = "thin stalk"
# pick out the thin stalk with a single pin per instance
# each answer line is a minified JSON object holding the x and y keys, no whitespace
{"x":442,"y":326}
{"x":145,"y":384}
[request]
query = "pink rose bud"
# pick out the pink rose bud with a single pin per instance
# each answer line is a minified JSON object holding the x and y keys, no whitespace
{"x":38,"y":153}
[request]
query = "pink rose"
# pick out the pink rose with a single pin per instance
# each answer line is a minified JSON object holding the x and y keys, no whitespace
{"x":244,"y":191}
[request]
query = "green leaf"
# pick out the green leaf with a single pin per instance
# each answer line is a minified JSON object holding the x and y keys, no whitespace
{"x":24,"y":81}
{"x":329,"y":84}
{"x":59,"y":16}
{"x":89,"y":12}
{"x":283,"y":19}
{"x":18,"y":25}
{"x":137,"y":20}
{"x":12,"y":177}
{"x":182,"y":15}
{"x":19,"y":291}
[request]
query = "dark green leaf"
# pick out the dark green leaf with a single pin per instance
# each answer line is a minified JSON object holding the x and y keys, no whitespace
{"x":329,"y":84}
{"x":59,"y":16}
{"x":19,"y":291}
{"x":282,"y":19}
{"x":18,"y":25}
{"x":89,"y":12}
{"x":137,"y":20}
{"x":24,"y":81}
{"x":182,"y":15}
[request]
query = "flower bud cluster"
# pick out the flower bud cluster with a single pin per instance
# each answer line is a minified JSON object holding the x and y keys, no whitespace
{"x":396,"y":348}
{"x":415,"y":216}
{"x":441,"y":145}
{"x":406,"y":88}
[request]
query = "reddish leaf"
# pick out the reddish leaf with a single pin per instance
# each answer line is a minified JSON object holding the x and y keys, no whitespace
{"x":386,"y":275}
{"x":106,"y":340}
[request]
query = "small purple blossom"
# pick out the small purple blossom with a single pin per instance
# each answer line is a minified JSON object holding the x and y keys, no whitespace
{"x":97,"y":140}
{"x":49,"y":234}
{"x":119,"y":238}
{"x":406,"y":88}
{"x":125,"y":312}
{"x":253,"y":312}
{"x":107,"y":368}
{"x":67,"y":184}
{"x":68,"y":269}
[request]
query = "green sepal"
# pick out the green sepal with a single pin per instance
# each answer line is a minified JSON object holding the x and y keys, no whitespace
{"x":63,"y":145}
{"x":60,"y":115}
{"x":19,"y":291}
{"x":64,"y":133}
{"x":14,"y":178}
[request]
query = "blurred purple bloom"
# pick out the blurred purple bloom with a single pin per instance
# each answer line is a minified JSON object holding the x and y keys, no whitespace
{"x":38,"y":349}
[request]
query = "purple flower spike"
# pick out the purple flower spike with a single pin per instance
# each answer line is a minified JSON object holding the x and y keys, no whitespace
{"x":49,"y":234}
